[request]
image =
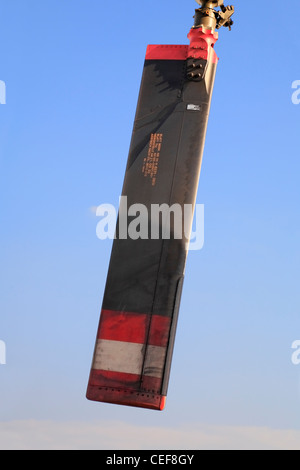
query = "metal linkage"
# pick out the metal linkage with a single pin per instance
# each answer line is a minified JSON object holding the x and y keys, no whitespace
{"x":208,"y":17}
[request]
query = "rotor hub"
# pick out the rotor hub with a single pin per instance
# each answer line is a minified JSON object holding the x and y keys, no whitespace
{"x":209,"y":17}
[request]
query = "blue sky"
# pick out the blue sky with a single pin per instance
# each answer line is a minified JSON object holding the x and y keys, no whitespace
{"x":72,"y":72}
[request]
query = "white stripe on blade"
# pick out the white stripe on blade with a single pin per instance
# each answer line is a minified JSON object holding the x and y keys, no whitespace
{"x":119,"y":356}
{"x":128,"y":358}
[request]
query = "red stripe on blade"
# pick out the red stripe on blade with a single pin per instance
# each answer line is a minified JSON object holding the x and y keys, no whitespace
{"x":159,"y":331}
{"x":130,"y":382}
{"x":123,"y":326}
{"x":134,"y":328}
{"x":103,"y":378}
{"x":127,"y":398}
{"x":151,"y":384}
{"x":167,"y":52}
